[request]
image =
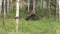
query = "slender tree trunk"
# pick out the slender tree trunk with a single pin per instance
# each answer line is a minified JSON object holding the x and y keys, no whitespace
{"x":11,"y":5}
{"x":28,"y":5}
{"x":47,"y":3}
{"x":57,"y":8}
{"x":49,"y":9}
{"x":41,"y":5}
{"x":8,"y":6}
{"x":0,"y":7}
{"x":34,"y":6}
{"x":4,"y":11}
{"x":17,"y":15}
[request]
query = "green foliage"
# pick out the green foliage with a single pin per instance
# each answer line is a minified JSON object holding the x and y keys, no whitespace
{"x":42,"y":26}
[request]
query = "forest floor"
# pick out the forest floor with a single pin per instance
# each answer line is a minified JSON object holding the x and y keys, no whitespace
{"x":42,"y":26}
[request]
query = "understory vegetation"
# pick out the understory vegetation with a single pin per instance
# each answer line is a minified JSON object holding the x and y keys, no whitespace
{"x":41,"y":26}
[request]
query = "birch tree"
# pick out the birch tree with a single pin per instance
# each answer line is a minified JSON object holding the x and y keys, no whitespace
{"x":59,"y":9}
{"x":5,"y":8}
{"x":17,"y":15}
{"x":28,"y":4}
{"x":8,"y":6}
{"x":34,"y":6}
{"x":49,"y":8}
{"x":41,"y":5}
{"x":0,"y":7}
{"x":11,"y":5}
{"x":4,"y":12}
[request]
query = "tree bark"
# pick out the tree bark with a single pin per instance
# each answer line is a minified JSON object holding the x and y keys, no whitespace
{"x":11,"y":5}
{"x":0,"y":7}
{"x":41,"y":5}
{"x":34,"y":6}
{"x":17,"y":15}
{"x":59,"y":10}
{"x":5,"y":9}
{"x":49,"y":8}
{"x":8,"y":6}
{"x":4,"y":12}
{"x":28,"y":5}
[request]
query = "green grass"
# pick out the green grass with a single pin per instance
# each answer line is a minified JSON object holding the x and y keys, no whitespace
{"x":42,"y":26}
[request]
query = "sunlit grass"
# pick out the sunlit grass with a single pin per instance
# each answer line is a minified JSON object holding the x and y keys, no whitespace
{"x":42,"y":26}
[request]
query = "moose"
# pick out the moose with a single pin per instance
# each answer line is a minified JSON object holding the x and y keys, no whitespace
{"x":31,"y":14}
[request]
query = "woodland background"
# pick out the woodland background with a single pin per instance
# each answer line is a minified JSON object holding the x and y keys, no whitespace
{"x":47,"y":24}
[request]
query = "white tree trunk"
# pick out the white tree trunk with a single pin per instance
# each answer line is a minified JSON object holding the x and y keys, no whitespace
{"x":41,"y":6}
{"x":59,"y":9}
{"x":44,"y":4}
{"x":4,"y":11}
{"x":49,"y":9}
{"x":8,"y":6}
{"x":34,"y":6}
{"x":0,"y":6}
{"x":4,"y":8}
{"x":11,"y":6}
{"x":28,"y":5}
{"x":17,"y":15}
